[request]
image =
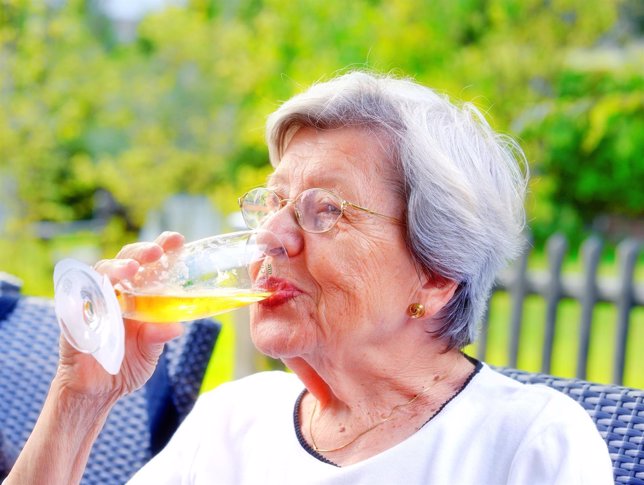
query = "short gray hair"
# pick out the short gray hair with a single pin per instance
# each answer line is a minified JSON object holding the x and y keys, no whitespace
{"x":463,"y":184}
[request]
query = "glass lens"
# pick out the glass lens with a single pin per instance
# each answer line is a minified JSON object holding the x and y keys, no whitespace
{"x":258,"y":205}
{"x":318,"y":210}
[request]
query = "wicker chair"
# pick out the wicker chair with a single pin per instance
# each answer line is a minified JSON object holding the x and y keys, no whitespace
{"x":618,"y":413}
{"x":139,"y":425}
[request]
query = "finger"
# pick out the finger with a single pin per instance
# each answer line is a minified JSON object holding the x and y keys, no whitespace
{"x":157,"y":333}
{"x":117,"y":269}
{"x":170,"y":241}
{"x":143,"y":252}
{"x":153,"y":336}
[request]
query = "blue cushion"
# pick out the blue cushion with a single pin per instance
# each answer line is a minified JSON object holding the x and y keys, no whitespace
{"x":7,"y":304}
{"x":8,"y":454}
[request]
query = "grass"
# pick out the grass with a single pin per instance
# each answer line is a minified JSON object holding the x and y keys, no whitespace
{"x":566,"y":343}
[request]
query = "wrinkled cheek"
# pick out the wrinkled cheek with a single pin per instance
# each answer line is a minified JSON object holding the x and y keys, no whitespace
{"x":358,"y":266}
{"x":341,"y":310}
{"x":357,"y":284}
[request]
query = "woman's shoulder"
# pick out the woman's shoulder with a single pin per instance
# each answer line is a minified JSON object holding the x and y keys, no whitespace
{"x":546,"y":427}
{"x":525,"y":414}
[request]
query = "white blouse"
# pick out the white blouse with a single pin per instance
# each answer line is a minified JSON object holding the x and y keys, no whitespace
{"x":494,"y":431}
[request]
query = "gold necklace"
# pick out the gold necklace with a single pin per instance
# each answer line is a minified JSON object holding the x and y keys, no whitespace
{"x":361,"y":434}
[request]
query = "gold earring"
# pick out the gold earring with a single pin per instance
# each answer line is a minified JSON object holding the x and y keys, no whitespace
{"x":416,"y":310}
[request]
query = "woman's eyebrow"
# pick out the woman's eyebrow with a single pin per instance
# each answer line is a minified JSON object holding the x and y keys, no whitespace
{"x":280,"y":183}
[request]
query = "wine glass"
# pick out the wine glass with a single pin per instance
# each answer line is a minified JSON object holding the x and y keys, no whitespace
{"x":201,"y":279}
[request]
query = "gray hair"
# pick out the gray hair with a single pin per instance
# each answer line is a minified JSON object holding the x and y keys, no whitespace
{"x":463,"y":184}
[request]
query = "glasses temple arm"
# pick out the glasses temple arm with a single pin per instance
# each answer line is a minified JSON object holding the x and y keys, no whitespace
{"x":369,"y":211}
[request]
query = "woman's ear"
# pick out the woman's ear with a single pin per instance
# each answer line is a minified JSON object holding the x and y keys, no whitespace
{"x":436,"y":292}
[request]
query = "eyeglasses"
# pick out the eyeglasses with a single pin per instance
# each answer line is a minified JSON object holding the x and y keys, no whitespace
{"x":316,"y":210}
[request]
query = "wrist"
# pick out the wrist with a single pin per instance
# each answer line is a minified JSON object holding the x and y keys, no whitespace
{"x":72,"y":398}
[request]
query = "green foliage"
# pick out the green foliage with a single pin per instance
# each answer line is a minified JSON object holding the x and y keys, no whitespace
{"x":591,"y":137}
{"x":182,"y":107}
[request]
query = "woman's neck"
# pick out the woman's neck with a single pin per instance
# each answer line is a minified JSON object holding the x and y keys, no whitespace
{"x":379,"y":412}
{"x":378,"y":376}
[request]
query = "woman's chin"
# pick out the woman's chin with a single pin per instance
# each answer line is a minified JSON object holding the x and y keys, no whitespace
{"x":277,"y":343}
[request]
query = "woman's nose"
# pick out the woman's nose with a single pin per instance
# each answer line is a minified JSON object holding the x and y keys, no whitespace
{"x":284,"y":225}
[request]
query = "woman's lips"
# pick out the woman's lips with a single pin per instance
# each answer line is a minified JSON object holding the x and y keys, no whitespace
{"x":282,"y":290}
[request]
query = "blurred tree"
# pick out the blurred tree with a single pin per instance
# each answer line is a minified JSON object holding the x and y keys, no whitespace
{"x":182,"y":107}
{"x":591,"y":137}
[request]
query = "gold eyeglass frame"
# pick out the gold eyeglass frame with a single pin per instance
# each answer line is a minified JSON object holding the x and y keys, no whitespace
{"x":283,"y":202}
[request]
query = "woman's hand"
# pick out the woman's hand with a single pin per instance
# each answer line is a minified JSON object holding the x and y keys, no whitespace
{"x":81,"y":374}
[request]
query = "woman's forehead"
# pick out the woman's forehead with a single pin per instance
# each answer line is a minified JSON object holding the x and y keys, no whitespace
{"x":333,"y":157}
{"x":350,"y":183}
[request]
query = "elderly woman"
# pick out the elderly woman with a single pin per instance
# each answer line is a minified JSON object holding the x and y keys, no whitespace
{"x":396,"y":210}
